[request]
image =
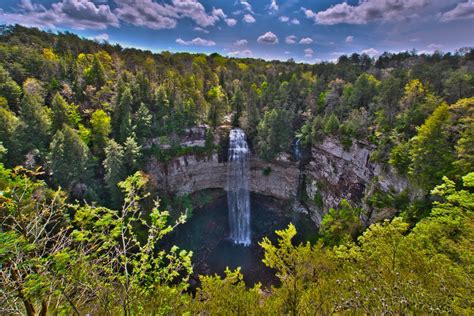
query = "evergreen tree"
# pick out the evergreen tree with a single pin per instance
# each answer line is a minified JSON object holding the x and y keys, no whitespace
{"x":142,"y":123}
{"x":59,"y":109}
{"x":115,"y":170}
{"x":35,"y":127}
{"x":274,"y":133}
{"x":70,"y":159}
{"x":9,"y":89}
{"x":121,"y":117}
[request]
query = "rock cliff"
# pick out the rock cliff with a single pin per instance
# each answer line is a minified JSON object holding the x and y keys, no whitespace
{"x":330,"y":175}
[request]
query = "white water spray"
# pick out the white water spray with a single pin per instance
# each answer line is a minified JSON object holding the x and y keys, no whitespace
{"x":238,"y":197}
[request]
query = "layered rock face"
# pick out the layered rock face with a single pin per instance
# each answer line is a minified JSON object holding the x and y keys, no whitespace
{"x":334,"y":174}
{"x":330,"y":175}
{"x":192,"y":173}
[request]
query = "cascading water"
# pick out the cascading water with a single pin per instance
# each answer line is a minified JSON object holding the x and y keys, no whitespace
{"x":238,"y":197}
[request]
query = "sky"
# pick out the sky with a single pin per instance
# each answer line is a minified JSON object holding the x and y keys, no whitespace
{"x":308,"y":31}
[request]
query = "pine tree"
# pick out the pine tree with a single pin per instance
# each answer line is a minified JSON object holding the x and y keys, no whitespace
{"x":59,"y":109}
{"x":121,"y":117}
{"x":70,"y":160}
{"x":115,"y":171}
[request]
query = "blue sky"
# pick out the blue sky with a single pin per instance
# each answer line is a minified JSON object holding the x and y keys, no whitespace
{"x":306,"y":30}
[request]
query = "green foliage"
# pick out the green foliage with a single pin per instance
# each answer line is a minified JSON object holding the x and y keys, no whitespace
{"x":121,"y":117}
{"x":100,"y":129}
{"x":341,"y":225}
{"x":431,"y":153}
{"x":273,"y":134}
{"x":67,"y":147}
{"x":227,"y":296}
{"x":331,"y":126}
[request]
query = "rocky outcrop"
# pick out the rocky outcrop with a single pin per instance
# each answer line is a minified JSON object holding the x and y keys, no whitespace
{"x":334,"y":173}
{"x":330,"y":175}
{"x":192,"y":173}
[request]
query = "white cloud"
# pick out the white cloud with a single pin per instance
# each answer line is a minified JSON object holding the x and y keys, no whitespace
{"x":246,"y":52}
{"x":241,"y":42}
{"x":246,"y":5}
{"x":462,"y":11}
{"x":248,"y":18}
{"x":349,"y":39}
{"x":231,"y":22}
{"x":77,"y":14}
{"x":306,"y":41}
{"x":370,"y":51}
{"x":200,"y":29}
{"x":104,"y":37}
{"x":273,"y":5}
{"x":196,"y":42}
{"x":295,"y":21}
{"x":308,"y":53}
{"x":366,"y":11}
{"x":286,"y":19}
{"x":268,"y":38}
{"x":158,"y":16}
{"x":290,"y":39}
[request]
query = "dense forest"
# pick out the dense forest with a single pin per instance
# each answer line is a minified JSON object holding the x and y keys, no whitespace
{"x":81,"y":225}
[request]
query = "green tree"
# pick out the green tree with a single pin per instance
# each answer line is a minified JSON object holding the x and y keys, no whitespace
{"x":100,"y":130}
{"x":68,"y":147}
{"x":217,"y":101}
{"x":143,"y":123}
{"x":9,"y":89}
{"x":273,"y":133}
{"x":59,"y":111}
{"x":331,"y":126}
{"x":35,"y":125}
{"x":341,"y":225}
{"x":430,"y":150}
{"x":115,"y":171}
{"x":121,"y":117}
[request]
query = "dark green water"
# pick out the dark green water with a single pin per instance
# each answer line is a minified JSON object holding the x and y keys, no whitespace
{"x":207,"y":235}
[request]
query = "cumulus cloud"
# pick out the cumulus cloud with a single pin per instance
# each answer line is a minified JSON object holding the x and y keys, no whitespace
{"x":246,"y":6}
{"x":246,"y":52}
{"x":370,"y":51}
{"x":462,"y":11}
{"x":248,"y":18}
{"x":366,"y":11}
{"x":349,"y":39}
{"x":286,"y":19}
{"x":295,"y":21}
{"x":241,"y":42}
{"x":86,"y":14}
{"x":196,"y":42}
{"x":290,"y":39}
{"x":273,"y":6}
{"x":306,"y":41}
{"x":268,"y":38}
{"x":231,"y":22}
{"x":77,"y":14}
{"x":308,"y":53}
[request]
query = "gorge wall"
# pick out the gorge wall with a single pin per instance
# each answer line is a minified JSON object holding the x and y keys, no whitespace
{"x":330,"y":175}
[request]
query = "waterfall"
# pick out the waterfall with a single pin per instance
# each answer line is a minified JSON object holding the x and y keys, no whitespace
{"x":238,"y":197}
